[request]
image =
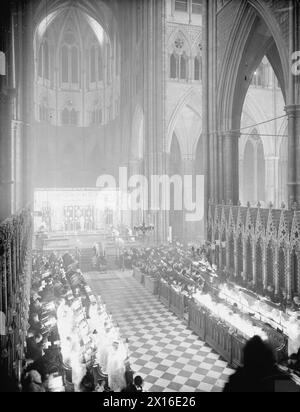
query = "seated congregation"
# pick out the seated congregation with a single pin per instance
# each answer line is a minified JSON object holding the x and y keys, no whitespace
{"x":72,"y":342}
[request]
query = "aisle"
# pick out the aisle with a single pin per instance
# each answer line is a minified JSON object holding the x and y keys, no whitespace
{"x":163,"y":350}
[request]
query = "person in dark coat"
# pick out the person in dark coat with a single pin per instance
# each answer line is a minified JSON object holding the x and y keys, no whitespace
{"x":259,"y":373}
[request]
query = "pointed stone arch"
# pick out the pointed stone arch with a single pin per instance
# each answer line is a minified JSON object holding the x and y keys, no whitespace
{"x":179,"y":34}
{"x":191,"y":100}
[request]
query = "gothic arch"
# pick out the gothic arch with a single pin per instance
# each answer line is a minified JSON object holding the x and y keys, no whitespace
{"x":188,"y":100}
{"x":252,"y":20}
{"x":102,"y":12}
{"x":253,"y":169}
{"x":179,"y":34}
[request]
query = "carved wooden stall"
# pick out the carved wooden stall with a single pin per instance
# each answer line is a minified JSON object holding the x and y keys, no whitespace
{"x":176,"y":302}
{"x":151,"y":284}
{"x":259,"y":247}
{"x":164,"y":293}
{"x":15,"y":282}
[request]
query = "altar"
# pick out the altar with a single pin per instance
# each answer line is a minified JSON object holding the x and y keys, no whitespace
{"x":79,"y":210}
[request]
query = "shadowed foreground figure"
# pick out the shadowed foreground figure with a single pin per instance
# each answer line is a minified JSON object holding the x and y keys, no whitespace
{"x":259,"y":373}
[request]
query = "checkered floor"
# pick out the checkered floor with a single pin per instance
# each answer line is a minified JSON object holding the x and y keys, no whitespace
{"x":168,"y":356}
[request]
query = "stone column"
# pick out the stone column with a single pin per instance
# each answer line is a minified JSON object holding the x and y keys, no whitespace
{"x":5,"y":157}
{"x":293,"y":112}
{"x":264,"y":267}
{"x":213,"y":252}
{"x":220,"y":254}
{"x":209,"y":82}
{"x":276,"y":275}
{"x":293,"y":109}
{"x":205,"y":120}
{"x":254,"y":262}
{"x":227,"y":255}
{"x":135,"y":168}
{"x":189,"y":228}
{"x":241,"y":180}
{"x":154,"y":99}
{"x":231,"y":167}
{"x":172,"y":8}
{"x":236,"y":257}
{"x":255,"y":172}
{"x":245,"y":258}
{"x":288,"y":278}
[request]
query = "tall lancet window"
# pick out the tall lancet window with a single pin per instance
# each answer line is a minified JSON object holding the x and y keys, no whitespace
{"x":64,"y":64}
{"x":173,"y":66}
{"x":69,"y":62}
{"x":93,"y":64}
{"x":181,"y":5}
{"x":198,"y":68}
{"x":74,"y":58}
{"x":44,"y":61}
{"x":179,"y":59}
{"x":40,"y":62}
{"x":183,"y":66}
{"x":108,"y":63}
{"x":100,"y":64}
{"x":96,"y":64}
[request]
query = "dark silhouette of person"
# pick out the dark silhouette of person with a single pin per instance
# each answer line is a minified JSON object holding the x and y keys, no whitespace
{"x":259,"y":373}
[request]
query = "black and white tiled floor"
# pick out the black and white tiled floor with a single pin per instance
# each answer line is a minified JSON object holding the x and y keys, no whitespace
{"x":168,"y":356}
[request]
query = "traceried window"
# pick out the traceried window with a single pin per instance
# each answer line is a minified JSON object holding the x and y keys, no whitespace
{"x":179,"y":61}
{"x":197,"y":6}
{"x":173,"y":66}
{"x":69,"y":117}
{"x":181,"y":5}
{"x":65,"y":116}
{"x":44,"y":112}
{"x":74,"y":62}
{"x":108,"y":63}
{"x":93,"y":64}
{"x":183,"y":66}
{"x":69,"y":62}
{"x":97,"y":115}
{"x":44,"y":61}
{"x":262,"y":76}
{"x":100,"y":64}
{"x":198,"y":68}
{"x":96,"y":64}
{"x":117,"y":58}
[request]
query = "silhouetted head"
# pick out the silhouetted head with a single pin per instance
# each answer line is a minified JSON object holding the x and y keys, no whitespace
{"x":258,"y":355}
{"x":138,"y":381}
